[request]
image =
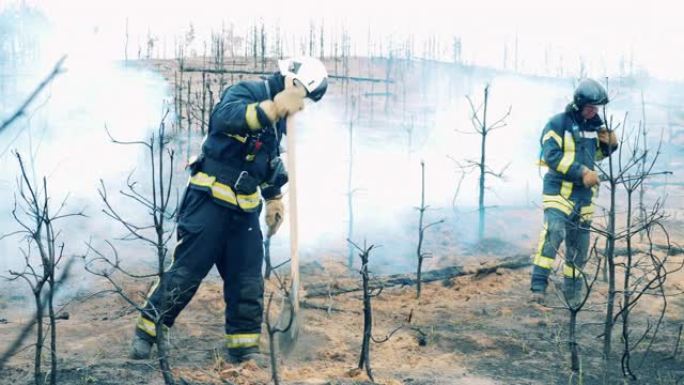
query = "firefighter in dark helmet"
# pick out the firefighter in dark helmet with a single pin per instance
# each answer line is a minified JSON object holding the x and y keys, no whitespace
{"x":571,"y":142}
{"x":218,"y":219}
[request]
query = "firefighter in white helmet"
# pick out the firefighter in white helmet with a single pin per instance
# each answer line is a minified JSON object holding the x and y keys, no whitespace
{"x":218,"y":219}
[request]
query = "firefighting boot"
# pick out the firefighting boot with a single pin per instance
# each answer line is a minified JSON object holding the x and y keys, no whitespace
{"x":141,"y":347}
{"x":538,"y":289}
{"x":538,"y":297}
{"x":241,"y":355}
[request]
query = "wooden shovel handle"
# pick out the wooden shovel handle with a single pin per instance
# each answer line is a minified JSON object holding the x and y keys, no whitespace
{"x":292,"y":196}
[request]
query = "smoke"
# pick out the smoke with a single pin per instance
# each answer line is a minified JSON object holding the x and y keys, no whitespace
{"x":386,"y":170}
{"x":65,"y":132}
{"x":63,"y":138}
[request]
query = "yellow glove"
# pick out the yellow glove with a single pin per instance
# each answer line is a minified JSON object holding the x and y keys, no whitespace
{"x":590,"y":178}
{"x":275,"y":213}
{"x":286,"y":102}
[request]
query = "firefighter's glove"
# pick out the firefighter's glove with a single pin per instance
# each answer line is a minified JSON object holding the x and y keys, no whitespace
{"x":289,"y":101}
{"x":275,"y":213}
{"x":589,"y":177}
{"x":608,"y":137}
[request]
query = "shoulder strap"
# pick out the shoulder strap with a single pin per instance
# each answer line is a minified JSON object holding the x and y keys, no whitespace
{"x":268,"y":89}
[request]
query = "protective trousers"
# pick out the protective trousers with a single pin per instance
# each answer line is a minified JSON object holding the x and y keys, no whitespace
{"x":208,"y":234}
{"x":559,"y":227}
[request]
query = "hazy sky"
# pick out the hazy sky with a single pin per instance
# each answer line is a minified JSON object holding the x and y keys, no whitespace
{"x":599,"y":31}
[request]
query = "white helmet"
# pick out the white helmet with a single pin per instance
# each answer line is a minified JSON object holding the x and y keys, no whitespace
{"x":309,"y":71}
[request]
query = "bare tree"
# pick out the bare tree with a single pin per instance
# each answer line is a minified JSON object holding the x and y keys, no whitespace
{"x":198,"y":104}
{"x":420,"y":255}
{"x":574,"y":305}
{"x":21,"y":111}
{"x":610,"y":175}
{"x":462,"y":172}
{"x":312,"y":37}
{"x":283,"y":326}
{"x":189,"y":113}
{"x":479,"y":120}
{"x":388,"y":72}
{"x":278,"y":45}
{"x":218,"y":50}
{"x":25,"y":331}
{"x":321,"y":37}
{"x":126,"y":43}
{"x":641,"y":275}
{"x":255,"y":44}
{"x":204,"y":109}
{"x":368,"y":294}
{"x":262,"y":46}
{"x":36,"y":217}
{"x":644,"y":164}
{"x":157,"y":234}
{"x":456,"y":49}
{"x":645,"y":274}
{"x":150,"y":42}
{"x":631,"y":184}
{"x":350,"y":188}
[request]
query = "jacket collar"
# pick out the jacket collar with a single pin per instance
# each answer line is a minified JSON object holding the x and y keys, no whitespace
{"x":592,"y":124}
{"x":276,"y":83}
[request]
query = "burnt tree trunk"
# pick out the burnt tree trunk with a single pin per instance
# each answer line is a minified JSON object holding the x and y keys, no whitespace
{"x":52,"y":317}
{"x":572,"y":337}
{"x":364,"y":359}
{"x":483,"y":147}
{"x":350,"y":192}
{"x":609,"y":255}
{"x":37,"y":374}
{"x":421,"y":230}
{"x":519,"y":261}
{"x":626,"y":293}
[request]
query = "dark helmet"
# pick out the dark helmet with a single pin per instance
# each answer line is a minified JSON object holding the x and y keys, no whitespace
{"x":589,"y":91}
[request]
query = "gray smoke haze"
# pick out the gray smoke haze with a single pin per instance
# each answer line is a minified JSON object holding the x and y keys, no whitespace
{"x":387,"y":172}
{"x":65,"y":131}
{"x":62,"y":136}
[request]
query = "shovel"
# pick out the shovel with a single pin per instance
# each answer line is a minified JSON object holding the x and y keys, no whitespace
{"x":290,"y":313}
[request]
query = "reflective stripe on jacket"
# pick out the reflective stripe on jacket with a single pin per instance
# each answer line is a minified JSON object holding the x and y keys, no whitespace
{"x":242,"y":139}
{"x":570,"y":143}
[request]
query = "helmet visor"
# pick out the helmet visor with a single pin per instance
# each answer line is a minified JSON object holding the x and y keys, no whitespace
{"x":317,"y":93}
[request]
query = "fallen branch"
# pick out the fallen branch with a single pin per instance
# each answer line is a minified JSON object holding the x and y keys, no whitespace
{"x":671,"y":251}
{"x":512,"y":263}
{"x":313,"y":306}
{"x":516,"y":262}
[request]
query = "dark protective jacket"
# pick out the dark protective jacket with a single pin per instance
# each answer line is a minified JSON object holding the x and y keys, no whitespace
{"x":240,"y":154}
{"x":570,"y":142}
